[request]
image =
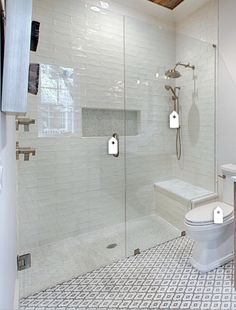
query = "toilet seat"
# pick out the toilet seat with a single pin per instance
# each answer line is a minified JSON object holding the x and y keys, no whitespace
{"x":204,"y":215}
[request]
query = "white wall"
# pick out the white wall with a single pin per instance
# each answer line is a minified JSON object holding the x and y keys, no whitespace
{"x":197,"y":102}
{"x":8,"y":254}
{"x":226,"y":131}
{"x":201,"y":24}
{"x":9,"y":291}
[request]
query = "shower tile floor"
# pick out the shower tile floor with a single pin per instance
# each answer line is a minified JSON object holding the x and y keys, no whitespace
{"x":64,"y":259}
{"x":158,"y":278}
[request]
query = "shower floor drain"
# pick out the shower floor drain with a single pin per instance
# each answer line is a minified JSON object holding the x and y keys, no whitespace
{"x":112,"y":246}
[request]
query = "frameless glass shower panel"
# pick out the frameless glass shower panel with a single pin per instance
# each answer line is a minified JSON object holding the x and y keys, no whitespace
{"x":197,"y":102}
{"x":162,"y":185}
{"x":193,"y":182}
{"x":71,"y":197}
{"x":149,"y":50}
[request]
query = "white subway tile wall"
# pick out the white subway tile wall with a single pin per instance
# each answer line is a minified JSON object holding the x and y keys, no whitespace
{"x":149,"y":51}
{"x":195,"y":38}
{"x":91,"y":57}
{"x":72,"y":187}
{"x":81,"y":57}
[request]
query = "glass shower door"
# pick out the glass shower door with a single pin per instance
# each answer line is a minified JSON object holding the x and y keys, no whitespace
{"x":148,"y":149}
{"x":71,"y":195}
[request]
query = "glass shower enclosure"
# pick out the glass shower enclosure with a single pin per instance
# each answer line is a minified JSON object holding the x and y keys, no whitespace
{"x":103,"y":73}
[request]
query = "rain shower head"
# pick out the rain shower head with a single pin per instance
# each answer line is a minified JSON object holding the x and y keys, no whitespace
{"x":172,"y":74}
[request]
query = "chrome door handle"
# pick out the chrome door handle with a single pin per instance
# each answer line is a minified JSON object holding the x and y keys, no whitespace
{"x":113,"y":145}
{"x":25,"y":122}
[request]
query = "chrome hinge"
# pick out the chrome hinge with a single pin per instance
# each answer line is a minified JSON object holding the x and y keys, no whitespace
{"x":23,"y":261}
{"x":137,"y":252}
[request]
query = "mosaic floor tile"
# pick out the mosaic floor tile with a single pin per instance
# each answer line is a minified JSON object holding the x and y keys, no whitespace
{"x":159,"y":278}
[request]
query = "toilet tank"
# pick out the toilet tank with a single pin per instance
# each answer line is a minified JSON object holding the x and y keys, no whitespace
{"x":228,"y":171}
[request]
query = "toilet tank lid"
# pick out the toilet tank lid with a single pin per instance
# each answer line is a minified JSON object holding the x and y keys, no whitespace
{"x":205,"y":214}
{"x":229,"y":169}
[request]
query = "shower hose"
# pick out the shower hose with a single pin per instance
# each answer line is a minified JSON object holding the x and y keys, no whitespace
{"x":178,"y":144}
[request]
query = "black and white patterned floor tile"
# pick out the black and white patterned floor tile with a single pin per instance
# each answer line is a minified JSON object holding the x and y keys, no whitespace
{"x":159,"y":278}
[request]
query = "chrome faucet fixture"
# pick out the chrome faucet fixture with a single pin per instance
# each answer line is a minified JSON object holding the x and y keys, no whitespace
{"x":26,"y":151}
{"x":25,"y":122}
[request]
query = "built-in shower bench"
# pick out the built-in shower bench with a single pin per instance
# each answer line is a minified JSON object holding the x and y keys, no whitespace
{"x":174,"y":198}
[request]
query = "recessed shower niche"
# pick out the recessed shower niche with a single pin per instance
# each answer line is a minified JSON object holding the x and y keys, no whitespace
{"x":104,"y":122}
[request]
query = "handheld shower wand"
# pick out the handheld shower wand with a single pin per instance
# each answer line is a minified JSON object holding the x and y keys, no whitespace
{"x":174,"y":74}
{"x":175,"y":99}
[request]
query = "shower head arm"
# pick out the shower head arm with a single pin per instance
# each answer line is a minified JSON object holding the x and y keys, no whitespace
{"x":184,"y":65}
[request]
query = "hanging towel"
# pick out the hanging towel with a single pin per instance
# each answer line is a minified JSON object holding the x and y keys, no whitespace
{"x":34,"y":35}
{"x":33,"y":83}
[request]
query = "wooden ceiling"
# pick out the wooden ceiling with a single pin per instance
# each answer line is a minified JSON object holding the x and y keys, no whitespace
{"x":170,"y":4}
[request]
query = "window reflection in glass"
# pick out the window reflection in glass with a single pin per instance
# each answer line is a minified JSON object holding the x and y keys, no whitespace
{"x":57,"y":112}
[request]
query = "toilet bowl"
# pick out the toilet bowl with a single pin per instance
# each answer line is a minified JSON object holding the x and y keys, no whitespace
{"x":213,"y":243}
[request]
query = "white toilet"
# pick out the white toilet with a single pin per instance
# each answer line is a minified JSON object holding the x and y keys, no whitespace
{"x":213,"y":243}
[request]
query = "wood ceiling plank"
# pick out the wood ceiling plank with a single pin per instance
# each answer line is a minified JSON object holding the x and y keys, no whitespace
{"x":170,"y":4}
